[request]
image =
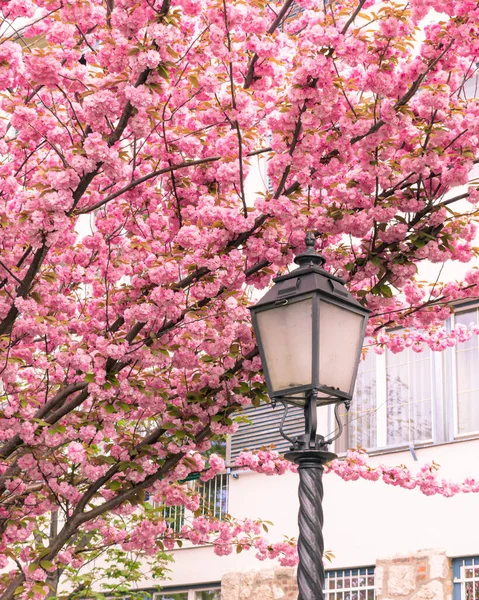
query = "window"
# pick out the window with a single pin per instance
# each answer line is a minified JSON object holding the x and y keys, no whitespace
{"x":465,"y":573}
{"x":212,"y":592}
{"x":467,"y":376}
{"x":404,"y":399}
{"x":471,"y":89}
{"x":408,"y":396}
{"x":393,"y":401}
{"x":350,"y":584}
{"x":361,"y":427}
{"x":213,"y":502}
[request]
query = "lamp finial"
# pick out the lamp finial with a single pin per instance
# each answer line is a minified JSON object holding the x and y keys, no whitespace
{"x":310,"y":257}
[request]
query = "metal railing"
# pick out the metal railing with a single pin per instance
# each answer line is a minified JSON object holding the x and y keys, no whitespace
{"x":213,"y":501}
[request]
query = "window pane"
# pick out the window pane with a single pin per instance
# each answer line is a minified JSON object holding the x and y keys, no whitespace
{"x":409,"y":397}
{"x":352,"y":586}
{"x":467,"y":376}
{"x":172,"y":596}
{"x":361,"y":418}
{"x":208,"y":595}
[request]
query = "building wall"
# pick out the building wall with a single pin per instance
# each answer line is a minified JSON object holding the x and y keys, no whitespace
{"x":425,"y":575}
{"x":364,"y":520}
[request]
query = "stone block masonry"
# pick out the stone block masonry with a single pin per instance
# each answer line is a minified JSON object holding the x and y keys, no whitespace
{"x":267,"y":584}
{"x":425,"y":575}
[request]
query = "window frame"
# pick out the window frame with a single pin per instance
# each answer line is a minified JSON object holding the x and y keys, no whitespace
{"x":459,"y":580}
{"x":341,"y":574}
{"x":437,"y":395}
{"x":444,"y":404}
{"x":190,"y":590}
{"x":178,"y":515}
{"x":464,"y":308}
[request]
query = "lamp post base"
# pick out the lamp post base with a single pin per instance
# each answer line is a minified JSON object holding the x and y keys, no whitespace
{"x":310,"y":520}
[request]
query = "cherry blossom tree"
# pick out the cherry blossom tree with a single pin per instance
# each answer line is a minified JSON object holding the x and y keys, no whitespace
{"x":131,"y":239}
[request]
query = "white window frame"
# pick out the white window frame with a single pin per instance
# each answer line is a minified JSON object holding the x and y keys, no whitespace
{"x":453,"y":376}
{"x":341,"y":574}
{"x":192,"y":593}
{"x":437,"y":405}
{"x":459,"y":583}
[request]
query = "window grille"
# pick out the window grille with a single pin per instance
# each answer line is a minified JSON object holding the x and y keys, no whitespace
{"x":465,"y":572}
{"x":174,"y":516}
{"x":213,"y":502}
{"x":350,"y":584}
{"x":214,"y":496}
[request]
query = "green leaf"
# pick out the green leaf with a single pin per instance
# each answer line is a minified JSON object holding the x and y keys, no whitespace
{"x":207,"y":359}
{"x":110,"y":409}
{"x":89,"y":377}
{"x":36,"y":296}
{"x":386,"y":291}
{"x":38,"y":588}
{"x":244,"y":388}
{"x":112,"y":378}
{"x":172,"y":52}
{"x":163,"y":72}
{"x":124,"y":406}
{"x":46,"y":564}
{"x":41,"y":422}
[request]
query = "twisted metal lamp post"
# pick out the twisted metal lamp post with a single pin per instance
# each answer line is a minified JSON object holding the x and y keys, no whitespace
{"x":310,"y":333}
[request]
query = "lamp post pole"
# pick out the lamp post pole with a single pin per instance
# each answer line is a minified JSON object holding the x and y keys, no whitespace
{"x":310,"y":331}
{"x":310,"y":455}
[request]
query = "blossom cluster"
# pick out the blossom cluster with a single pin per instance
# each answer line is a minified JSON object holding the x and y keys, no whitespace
{"x":355,"y":465}
{"x":160,"y":162}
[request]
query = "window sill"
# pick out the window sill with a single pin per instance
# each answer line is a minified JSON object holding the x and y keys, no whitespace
{"x":419,"y":446}
{"x":187,"y":545}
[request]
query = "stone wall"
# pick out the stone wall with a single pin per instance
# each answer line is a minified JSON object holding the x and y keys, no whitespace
{"x":425,"y":575}
{"x":266,"y":584}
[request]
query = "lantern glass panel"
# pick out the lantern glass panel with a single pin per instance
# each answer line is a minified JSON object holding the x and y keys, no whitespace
{"x":285,"y":333}
{"x":340,"y":343}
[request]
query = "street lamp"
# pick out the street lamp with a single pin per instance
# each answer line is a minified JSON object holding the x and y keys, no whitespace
{"x":310,"y":331}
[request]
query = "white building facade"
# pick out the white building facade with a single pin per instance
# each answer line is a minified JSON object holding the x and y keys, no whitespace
{"x":410,"y":409}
